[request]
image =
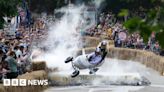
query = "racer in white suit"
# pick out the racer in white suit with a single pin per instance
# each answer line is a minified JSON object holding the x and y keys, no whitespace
{"x":88,"y":61}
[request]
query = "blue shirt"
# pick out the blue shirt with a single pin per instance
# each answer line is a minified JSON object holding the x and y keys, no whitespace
{"x":94,"y":59}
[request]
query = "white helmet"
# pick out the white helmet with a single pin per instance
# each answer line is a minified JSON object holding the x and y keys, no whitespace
{"x":98,"y":50}
{"x":104,"y":43}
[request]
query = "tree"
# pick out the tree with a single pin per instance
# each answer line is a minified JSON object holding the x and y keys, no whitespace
{"x":8,"y":8}
{"x":48,"y":6}
{"x":152,"y":22}
{"x":144,"y":16}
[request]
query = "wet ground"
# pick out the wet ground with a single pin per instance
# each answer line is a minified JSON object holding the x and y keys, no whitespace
{"x":118,"y":67}
{"x":107,"y":89}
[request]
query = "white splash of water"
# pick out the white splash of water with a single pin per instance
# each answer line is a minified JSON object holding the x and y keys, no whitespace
{"x":120,"y":70}
{"x":63,"y":39}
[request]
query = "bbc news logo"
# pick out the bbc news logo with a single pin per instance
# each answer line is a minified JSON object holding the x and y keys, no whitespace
{"x":24,"y":82}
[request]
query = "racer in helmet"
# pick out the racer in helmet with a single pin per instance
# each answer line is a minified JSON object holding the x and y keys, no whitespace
{"x":89,"y":61}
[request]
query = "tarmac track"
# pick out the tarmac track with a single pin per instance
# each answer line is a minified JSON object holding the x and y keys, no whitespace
{"x":120,"y":67}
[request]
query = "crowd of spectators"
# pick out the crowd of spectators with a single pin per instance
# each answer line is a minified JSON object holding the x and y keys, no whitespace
{"x":108,"y":26}
{"x":15,"y":48}
{"x":135,"y":41}
{"x":104,"y":26}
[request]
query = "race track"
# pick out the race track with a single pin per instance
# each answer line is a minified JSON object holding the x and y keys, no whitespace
{"x":116,"y":71}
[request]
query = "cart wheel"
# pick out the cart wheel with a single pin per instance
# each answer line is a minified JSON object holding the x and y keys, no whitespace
{"x":69,"y":59}
{"x":94,"y":71}
{"x":75,"y":73}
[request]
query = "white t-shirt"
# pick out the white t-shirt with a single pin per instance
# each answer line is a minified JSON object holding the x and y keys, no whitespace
{"x":18,"y":53}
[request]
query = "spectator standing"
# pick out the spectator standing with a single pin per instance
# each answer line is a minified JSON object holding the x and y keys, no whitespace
{"x":152,"y":41}
{"x":3,"y":72}
{"x":156,"y":48}
{"x":12,"y":63}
